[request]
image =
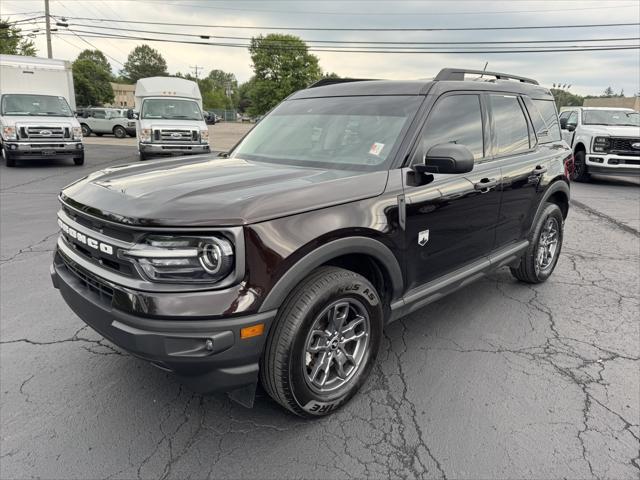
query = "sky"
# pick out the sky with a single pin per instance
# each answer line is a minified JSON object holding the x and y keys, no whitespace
{"x":588,"y":73}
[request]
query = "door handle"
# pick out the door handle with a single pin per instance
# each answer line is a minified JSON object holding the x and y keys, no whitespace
{"x":539,"y":170}
{"x":485,"y":184}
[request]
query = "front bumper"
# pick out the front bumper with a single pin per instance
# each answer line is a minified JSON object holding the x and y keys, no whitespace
{"x":37,"y":150}
{"x":173,"y":148}
{"x":612,"y":164}
{"x":206,"y":354}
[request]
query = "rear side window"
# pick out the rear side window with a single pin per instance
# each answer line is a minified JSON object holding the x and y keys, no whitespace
{"x":98,"y":114}
{"x":545,"y":119}
{"x":511,"y":129}
{"x":454,"y":119}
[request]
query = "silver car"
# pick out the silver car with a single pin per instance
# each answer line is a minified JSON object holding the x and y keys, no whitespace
{"x":106,"y":121}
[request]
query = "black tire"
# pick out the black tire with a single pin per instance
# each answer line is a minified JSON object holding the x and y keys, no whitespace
{"x":285,"y":363}
{"x":527,"y":271}
{"x":119,"y":131}
{"x":86,"y":131}
{"x":79,"y":160}
{"x":8,"y":159}
{"x":143,"y":156}
{"x":580,"y":170}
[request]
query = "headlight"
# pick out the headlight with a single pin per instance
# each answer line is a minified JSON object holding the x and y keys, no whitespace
{"x":204,"y":136}
{"x":9,"y":133}
{"x":77,"y":133}
{"x":601,"y":144}
{"x":145,"y":135}
{"x":183,"y":259}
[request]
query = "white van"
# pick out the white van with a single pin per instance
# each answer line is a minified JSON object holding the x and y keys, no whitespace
{"x":169,"y":117}
{"x":37,"y":101}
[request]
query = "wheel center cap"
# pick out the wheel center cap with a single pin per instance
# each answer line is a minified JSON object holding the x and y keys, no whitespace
{"x":334,"y":343}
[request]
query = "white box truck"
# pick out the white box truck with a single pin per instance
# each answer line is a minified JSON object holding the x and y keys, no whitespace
{"x":169,"y":117}
{"x":37,"y":104}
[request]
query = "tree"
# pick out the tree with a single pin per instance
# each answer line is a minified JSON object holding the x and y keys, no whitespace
{"x":142,"y":62}
{"x":97,"y":57}
{"x":282,"y":64}
{"x":91,"y":83}
{"x":12,"y":42}
{"x":566,"y":99}
{"x":608,"y":92}
{"x":222,"y":80}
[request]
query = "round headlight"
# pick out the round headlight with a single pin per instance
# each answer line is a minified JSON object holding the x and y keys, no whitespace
{"x":216,"y":256}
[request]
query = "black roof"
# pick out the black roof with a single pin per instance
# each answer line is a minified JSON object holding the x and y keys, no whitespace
{"x":448,"y":79}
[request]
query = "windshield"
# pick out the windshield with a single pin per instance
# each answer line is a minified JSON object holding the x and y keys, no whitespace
{"x":36,"y":105}
{"x":171,"y":108}
{"x":611,"y":117}
{"x":337,"y":132}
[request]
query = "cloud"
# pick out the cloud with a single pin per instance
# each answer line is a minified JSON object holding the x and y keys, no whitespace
{"x":588,"y":72}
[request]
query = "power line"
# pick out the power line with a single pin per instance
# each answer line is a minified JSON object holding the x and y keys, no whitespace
{"x":360,"y":41}
{"x":411,"y":14}
{"x":336,"y":29}
{"x":519,"y":50}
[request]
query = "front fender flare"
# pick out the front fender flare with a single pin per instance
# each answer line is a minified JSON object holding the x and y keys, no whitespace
{"x":329,"y":251}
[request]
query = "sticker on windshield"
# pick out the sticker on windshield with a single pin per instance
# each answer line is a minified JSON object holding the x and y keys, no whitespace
{"x":376,"y":148}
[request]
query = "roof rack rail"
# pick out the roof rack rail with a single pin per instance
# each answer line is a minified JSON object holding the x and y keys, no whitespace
{"x":331,"y":81}
{"x":459,"y":73}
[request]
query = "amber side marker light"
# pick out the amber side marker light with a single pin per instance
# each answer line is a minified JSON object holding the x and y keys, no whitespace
{"x":252,"y":331}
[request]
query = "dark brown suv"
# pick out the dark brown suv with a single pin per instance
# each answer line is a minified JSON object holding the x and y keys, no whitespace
{"x":350,"y":205}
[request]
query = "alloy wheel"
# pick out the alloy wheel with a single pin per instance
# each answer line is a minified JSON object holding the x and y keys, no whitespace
{"x":336,"y":345}
{"x":547,"y":245}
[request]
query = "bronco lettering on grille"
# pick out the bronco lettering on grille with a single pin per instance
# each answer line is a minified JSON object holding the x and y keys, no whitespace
{"x":85,"y":240}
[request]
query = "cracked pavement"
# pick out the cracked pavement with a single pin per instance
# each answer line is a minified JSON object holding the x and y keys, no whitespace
{"x":500,"y":380}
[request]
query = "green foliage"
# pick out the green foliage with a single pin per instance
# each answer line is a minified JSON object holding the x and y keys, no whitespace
{"x":12,"y":42}
{"x":214,"y":89}
{"x":91,"y":83}
{"x":97,"y":57}
{"x":243,"y":99}
{"x":282,"y":64}
{"x":566,"y":99}
{"x":221,"y":80}
{"x":142,"y":62}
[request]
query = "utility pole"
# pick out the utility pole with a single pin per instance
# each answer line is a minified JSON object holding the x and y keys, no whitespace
{"x":196,"y":68}
{"x":48,"y":21}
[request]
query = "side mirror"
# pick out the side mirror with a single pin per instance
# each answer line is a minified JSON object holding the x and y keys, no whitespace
{"x":448,"y":158}
{"x":571,"y":128}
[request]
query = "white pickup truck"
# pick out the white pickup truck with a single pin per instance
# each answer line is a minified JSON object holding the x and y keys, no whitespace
{"x":605,"y":141}
{"x":36,"y":110}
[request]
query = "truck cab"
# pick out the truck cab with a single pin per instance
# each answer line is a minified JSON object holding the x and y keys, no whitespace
{"x":36,"y":110}
{"x":169,"y":118}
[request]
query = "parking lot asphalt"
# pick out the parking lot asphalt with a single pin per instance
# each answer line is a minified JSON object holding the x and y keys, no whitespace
{"x":500,"y":380}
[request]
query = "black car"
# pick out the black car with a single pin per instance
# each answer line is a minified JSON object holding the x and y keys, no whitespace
{"x":348,"y":206}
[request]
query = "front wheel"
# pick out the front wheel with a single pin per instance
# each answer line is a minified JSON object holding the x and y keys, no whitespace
{"x":119,"y":132}
{"x":8,"y":159}
{"x":323,"y":343}
{"x":86,"y":131}
{"x":143,"y":156}
{"x":545,"y":242}
{"x":580,"y":170}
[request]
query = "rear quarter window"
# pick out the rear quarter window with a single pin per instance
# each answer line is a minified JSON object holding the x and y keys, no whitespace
{"x":545,"y":119}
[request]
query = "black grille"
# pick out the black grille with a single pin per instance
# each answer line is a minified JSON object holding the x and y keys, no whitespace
{"x":623,"y":145}
{"x":89,"y":281}
{"x":103,"y":227}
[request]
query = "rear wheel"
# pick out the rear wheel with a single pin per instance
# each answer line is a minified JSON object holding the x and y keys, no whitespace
{"x":580,"y":169}
{"x":86,"y":131}
{"x":545,"y":243}
{"x":323,"y":343}
{"x":119,"y":131}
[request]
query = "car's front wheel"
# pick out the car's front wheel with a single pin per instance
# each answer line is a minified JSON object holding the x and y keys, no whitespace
{"x":580,"y":170}
{"x":119,"y":131}
{"x":545,"y":242}
{"x":324,"y":342}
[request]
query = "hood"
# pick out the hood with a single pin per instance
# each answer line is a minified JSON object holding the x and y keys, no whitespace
{"x":613,"y":131}
{"x":39,"y":121}
{"x":212,"y":192}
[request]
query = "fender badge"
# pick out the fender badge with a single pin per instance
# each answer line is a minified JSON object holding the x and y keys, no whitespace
{"x":423,"y":238}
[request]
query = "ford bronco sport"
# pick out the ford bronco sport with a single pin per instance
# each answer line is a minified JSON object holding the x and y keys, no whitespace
{"x":351,"y":204}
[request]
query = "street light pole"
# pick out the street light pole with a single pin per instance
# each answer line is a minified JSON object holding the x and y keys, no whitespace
{"x":48,"y":22}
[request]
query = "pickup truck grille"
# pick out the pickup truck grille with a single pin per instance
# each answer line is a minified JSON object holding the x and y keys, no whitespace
{"x":43,"y":133}
{"x":176,"y":136}
{"x":622,"y":146}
